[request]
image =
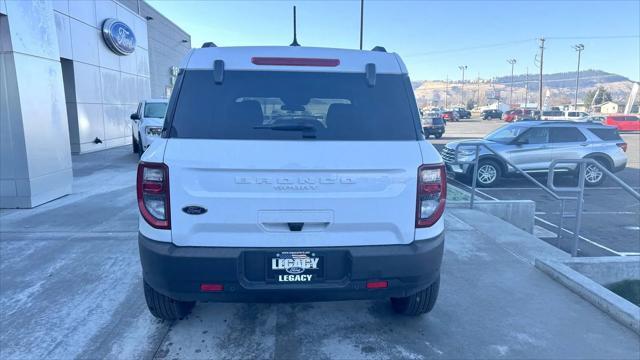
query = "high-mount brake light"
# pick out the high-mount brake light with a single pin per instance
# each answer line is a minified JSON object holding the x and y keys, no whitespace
{"x":211,"y":287}
{"x":431,"y":195}
{"x":153,"y":194}
{"x":377,"y":284}
{"x":284,"y":61}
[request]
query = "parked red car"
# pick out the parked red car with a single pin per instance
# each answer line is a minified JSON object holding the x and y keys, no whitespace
{"x":515,"y":115}
{"x":450,"y":116}
{"x":624,"y":122}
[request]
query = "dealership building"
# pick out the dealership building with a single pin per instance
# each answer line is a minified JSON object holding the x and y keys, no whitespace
{"x":71,"y":73}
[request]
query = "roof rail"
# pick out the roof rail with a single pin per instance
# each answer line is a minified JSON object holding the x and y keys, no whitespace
{"x":209,"y":44}
{"x":379,"y":48}
{"x":573,"y":122}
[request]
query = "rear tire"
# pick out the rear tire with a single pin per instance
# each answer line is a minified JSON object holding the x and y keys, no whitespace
{"x":438,"y":136}
{"x":419,"y":303}
{"x":134,"y":143}
{"x":164,"y":307}
{"x":140,"y":147}
{"x":594,"y":176}
{"x":488,"y":173}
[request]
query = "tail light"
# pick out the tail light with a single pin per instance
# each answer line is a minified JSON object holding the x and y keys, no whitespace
{"x":622,"y":146}
{"x":153,"y":194}
{"x":432,"y":194}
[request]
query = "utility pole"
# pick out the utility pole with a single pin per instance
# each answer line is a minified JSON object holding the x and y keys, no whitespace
{"x":361,"y":21}
{"x":541,"y":65}
{"x":446,"y":90}
{"x":512,"y":62}
{"x":478,"y":102}
{"x":463,"y":68}
{"x":526,"y":88}
{"x":579,"y":49}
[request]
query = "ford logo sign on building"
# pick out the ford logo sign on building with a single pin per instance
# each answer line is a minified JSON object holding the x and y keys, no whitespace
{"x":118,"y":36}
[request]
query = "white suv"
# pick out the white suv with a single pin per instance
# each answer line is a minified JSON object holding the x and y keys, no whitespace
{"x":291,"y":174}
{"x":147,"y":123}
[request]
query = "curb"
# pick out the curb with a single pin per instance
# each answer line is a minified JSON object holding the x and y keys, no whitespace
{"x":613,"y":305}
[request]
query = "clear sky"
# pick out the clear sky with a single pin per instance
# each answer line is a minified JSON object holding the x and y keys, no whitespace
{"x":433,"y":37}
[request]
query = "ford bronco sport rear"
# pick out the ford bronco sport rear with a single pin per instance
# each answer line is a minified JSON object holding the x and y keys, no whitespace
{"x":291,"y":174}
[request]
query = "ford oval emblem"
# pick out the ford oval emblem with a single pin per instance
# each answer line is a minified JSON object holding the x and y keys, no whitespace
{"x":194,"y":210}
{"x":118,"y":36}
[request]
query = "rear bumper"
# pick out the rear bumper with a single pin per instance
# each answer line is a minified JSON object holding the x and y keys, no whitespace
{"x":433,"y":130}
{"x":178,"y":272}
{"x":458,"y":168}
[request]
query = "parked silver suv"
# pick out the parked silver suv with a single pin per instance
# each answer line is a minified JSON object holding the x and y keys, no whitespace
{"x":532,"y":145}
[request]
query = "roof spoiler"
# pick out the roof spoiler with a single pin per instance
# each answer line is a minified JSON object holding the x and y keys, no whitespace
{"x":209,"y":44}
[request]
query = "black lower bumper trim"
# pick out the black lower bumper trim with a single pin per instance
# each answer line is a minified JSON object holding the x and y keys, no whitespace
{"x":178,"y":272}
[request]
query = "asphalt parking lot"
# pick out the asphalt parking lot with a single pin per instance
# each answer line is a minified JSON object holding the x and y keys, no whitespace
{"x":611,"y":218}
{"x":71,"y":287}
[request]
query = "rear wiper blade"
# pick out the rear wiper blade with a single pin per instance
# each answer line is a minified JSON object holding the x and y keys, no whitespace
{"x":287,"y":127}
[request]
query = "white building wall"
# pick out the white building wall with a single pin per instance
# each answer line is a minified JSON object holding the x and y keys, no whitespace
{"x":107,"y":86}
{"x":35,"y":161}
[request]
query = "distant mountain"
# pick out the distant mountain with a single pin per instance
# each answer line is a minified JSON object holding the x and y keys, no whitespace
{"x":588,"y":78}
{"x":561,"y":87}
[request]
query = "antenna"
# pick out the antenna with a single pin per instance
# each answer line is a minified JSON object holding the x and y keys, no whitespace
{"x":295,"y":38}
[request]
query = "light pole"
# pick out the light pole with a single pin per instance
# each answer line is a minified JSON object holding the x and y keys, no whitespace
{"x":446,"y":91}
{"x":540,"y":81}
{"x":526,"y":88}
{"x":463,"y":68}
{"x":579,"y":49}
{"x":512,"y":62}
{"x":361,"y":21}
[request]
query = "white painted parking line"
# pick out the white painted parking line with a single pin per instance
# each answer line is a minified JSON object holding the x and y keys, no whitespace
{"x":556,"y":226}
{"x":581,"y":237}
{"x":540,"y":232}
{"x":591,"y":213}
{"x":630,"y":254}
{"x":537,"y":188}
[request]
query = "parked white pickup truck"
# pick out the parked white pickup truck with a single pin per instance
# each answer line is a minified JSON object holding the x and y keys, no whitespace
{"x":563,"y":115}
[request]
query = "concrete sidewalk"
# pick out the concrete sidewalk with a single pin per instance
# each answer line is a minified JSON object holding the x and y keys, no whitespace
{"x":70,"y":286}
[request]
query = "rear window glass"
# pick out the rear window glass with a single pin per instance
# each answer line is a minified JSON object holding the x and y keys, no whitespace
{"x":566,"y":134}
{"x":632,"y":118}
{"x":606,"y":134}
{"x":278,"y":105}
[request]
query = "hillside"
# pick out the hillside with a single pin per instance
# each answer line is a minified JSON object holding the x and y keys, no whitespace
{"x":560,"y":85}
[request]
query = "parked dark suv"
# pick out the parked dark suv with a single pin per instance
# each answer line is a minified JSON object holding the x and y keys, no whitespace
{"x":491,"y":114}
{"x":464,"y":113}
{"x":433,"y":124}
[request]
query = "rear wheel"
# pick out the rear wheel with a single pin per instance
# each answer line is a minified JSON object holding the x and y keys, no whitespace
{"x":438,"y":136}
{"x":593,"y":175}
{"x":488,"y":173}
{"x":417,"y":304}
{"x":140,"y":146}
{"x":164,"y":307}
{"x":135,"y":145}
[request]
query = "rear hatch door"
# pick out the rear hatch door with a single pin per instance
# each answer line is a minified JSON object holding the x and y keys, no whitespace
{"x":286,"y":193}
{"x":293,"y":158}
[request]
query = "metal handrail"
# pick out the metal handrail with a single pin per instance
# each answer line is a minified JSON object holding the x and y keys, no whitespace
{"x":476,"y":160}
{"x":550,"y":189}
{"x":583,"y":163}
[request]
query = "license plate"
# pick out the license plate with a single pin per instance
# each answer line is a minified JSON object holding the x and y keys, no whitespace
{"x":294,"y":267}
